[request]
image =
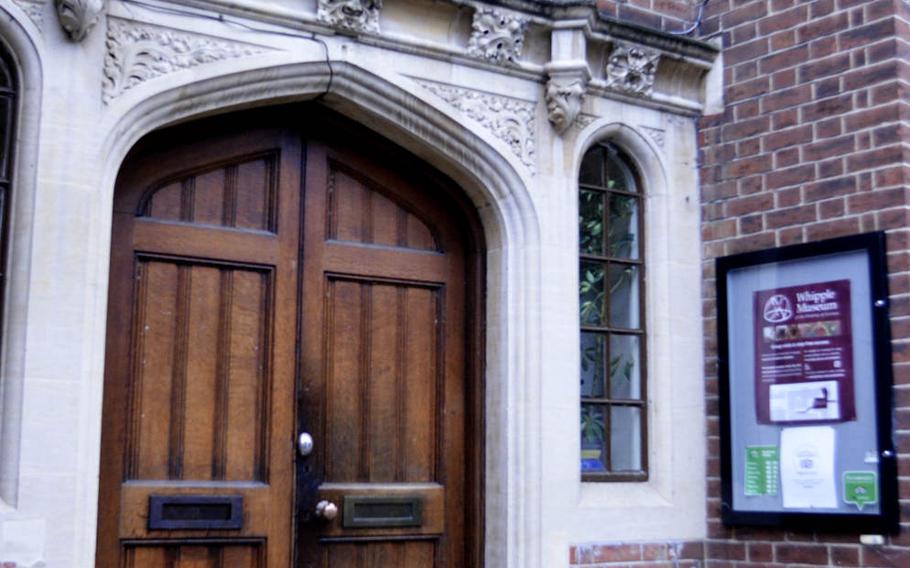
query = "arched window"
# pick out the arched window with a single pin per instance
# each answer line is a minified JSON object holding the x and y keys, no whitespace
{"x":8,"y":103}
{"x":611,"y":292}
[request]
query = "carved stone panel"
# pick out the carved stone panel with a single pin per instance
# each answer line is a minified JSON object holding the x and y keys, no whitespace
{"x":33,"y":8}
{"x":511,"y":120}
{"x":631,"y":69}
{"x":350,"y":15}
{"x":497,"y":36}
{"x":78,"y":17}
{"x":137,"y":52}
{"x":656,"y":134}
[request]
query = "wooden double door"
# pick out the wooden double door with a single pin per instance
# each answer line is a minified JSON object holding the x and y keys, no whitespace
{"x":269,"y":282}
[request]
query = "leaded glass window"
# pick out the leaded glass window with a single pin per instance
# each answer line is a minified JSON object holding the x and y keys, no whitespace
{"x":611,"y":292}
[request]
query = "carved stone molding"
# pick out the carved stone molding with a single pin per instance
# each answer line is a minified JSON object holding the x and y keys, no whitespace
{"x":350,"y":15}
{"x":656,"y":134}
{"x":34,"y":9}
{"x":78,"y":17}
{"x":509,"y":119}
{"x":631,"y":69}
{"x":677,"y":120}
{"x":584,"y":120}
{"x":564,"y":96}
{"x":139,"y":52}
{"x":497,"y":36}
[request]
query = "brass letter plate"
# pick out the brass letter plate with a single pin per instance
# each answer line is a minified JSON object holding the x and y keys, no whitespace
{"x":381,"y":512}
{"x":191,"y":512}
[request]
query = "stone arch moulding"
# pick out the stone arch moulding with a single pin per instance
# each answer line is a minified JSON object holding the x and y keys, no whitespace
{"x":490,"y":180}
{"x":640,"y":148}
{"x":17,"y":36}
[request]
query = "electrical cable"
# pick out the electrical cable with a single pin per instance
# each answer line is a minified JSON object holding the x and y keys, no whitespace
{"x":697,"y":22}
{"x":218,"y":17}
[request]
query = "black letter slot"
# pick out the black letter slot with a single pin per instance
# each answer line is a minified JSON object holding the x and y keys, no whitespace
{"x":378,"y":511}
{"x":195,"y":512}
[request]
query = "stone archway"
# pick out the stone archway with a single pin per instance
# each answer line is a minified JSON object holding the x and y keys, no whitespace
{"x":501,"y":198}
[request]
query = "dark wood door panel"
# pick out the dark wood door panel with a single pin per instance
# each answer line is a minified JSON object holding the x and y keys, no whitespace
{"x":209,"y":555}
{"x":361,"y":210}
{"x":199,"y":383}
{"x":262,"y":287}
{"x":384,"y":361}
{"x":382,"y":376}
{"x":412,"y":554}
{"x":239,"y":193}
{"x":200,"y":360}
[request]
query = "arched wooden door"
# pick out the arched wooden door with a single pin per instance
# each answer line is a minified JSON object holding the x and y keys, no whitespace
{"x":268,"y":281}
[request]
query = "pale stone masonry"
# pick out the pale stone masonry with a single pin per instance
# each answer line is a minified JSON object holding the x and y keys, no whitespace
{"x":507,"y":123}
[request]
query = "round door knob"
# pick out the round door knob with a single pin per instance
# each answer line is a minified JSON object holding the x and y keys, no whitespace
{"x":326,"y":510}
{"x":305,"y":444}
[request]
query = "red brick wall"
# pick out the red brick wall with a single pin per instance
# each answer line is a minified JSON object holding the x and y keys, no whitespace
{"x":810,"y":145}
{"x":667,"y":15}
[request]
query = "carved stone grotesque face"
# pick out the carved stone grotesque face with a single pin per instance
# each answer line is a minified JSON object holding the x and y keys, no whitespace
{"x":353,"y":15}
{"x":352,"y":8}
{"x":564,"y":103}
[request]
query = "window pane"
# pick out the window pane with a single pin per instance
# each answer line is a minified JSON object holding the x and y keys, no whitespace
{"x":593,"y":429}
{"x":6,"y":134}
{"x":624,"y":286}
{"x":619,"y":176}
{"x":622,"y":238}
{"x":625,"y":367}
{"x":591,"y":222}
{"x":592,"y":167}
{"x":625,"y":438}
{"x":592,"y":364}
{"x":591,"y":293}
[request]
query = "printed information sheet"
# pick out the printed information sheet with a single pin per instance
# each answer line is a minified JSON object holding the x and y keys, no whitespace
{"x":762,"y":464}
{"x":807,"y":468}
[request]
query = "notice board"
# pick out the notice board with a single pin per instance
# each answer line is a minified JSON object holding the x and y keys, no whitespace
{"x":804,"y":368}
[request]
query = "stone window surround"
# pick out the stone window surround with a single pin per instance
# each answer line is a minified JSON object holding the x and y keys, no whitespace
{"x":17,"y":40}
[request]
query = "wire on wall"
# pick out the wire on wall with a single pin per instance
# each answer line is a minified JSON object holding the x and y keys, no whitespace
{"x":697,"y":22}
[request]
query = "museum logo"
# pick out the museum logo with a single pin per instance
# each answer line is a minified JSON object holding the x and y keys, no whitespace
{"x":777,"y":309}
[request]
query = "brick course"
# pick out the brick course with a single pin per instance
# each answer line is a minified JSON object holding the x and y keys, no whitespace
{"x":812,"y":145}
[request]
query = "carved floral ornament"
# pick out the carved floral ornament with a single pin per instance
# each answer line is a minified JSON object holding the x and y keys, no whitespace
{"x":497,"y":36}
{"x":78,"y":17}
{"x":509,"y":119}
{"x":136,"y":53}
{"x":631,"y":69}
{"x":350,"y":15}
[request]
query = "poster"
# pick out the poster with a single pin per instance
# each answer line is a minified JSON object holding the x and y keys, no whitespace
{"x":860,"y":488}
{"x":807,"y":468}
{"x":762,"y":465}
{"x":804,"y":354}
